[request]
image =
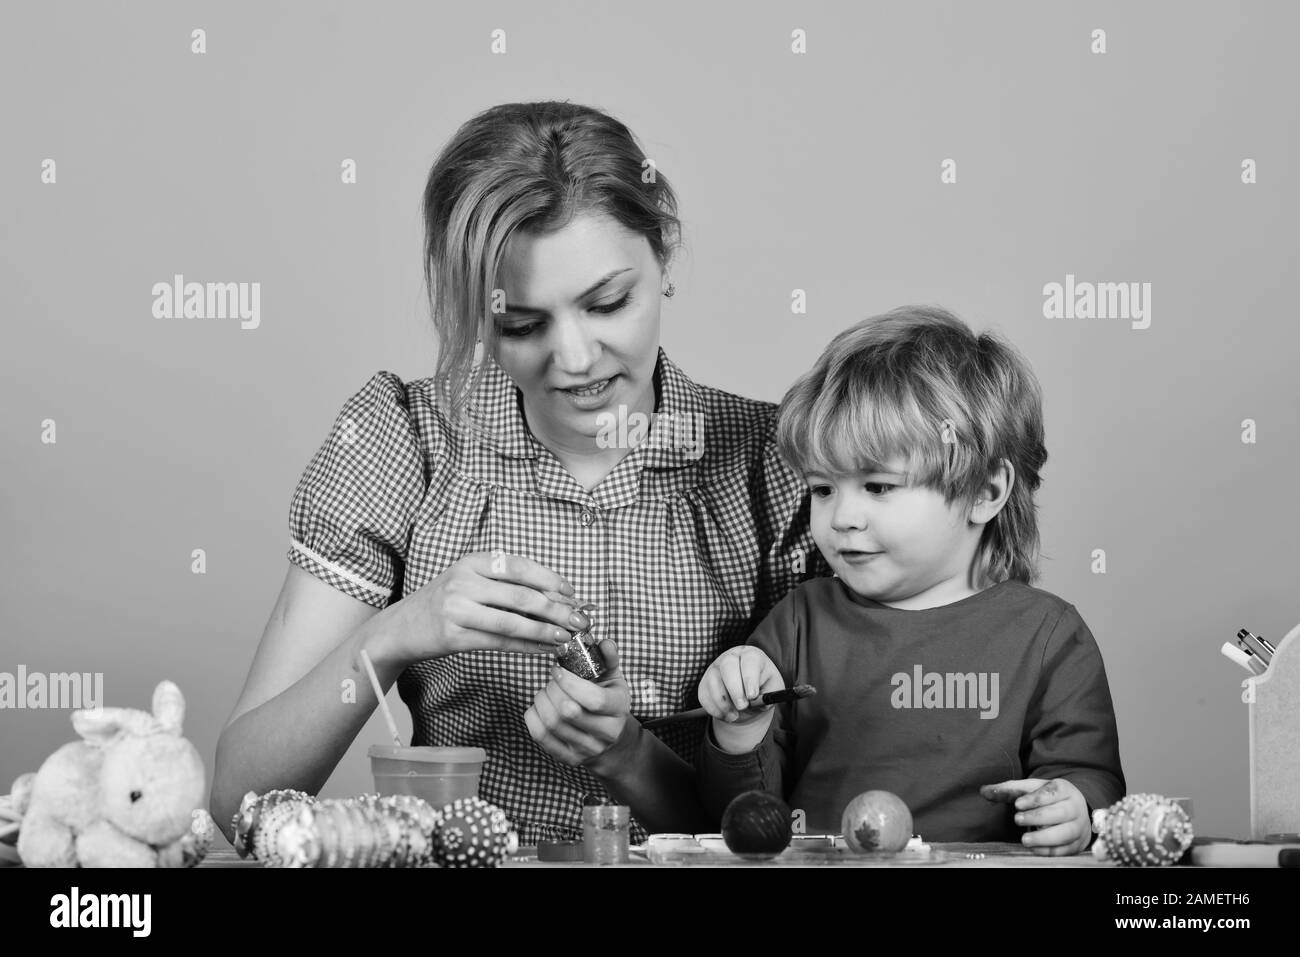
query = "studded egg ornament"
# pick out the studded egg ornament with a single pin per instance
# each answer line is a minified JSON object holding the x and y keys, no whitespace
{"x":1141,"y":830}
{"x":473,"y":833}
{"x":248,"y":819}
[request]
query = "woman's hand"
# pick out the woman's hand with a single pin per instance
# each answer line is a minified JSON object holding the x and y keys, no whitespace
{"x":485,"y":601}
{"x":580,"y":722}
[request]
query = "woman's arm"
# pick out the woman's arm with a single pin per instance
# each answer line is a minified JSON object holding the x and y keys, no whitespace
{"x":293,"y":721}
{"x":307,"y":693}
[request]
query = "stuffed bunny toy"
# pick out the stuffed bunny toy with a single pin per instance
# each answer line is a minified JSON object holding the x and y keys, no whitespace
{"x":130,"y":794}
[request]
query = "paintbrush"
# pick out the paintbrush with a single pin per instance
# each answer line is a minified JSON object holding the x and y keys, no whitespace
{"x":772,"y":697}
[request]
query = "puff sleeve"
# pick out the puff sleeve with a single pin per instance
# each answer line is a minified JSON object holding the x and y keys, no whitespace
{"x":351,"y":514}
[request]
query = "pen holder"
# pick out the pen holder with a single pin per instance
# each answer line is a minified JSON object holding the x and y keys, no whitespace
{"x":1274,"y":700}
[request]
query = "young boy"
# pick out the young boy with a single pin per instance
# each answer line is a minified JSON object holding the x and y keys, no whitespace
{"x":941,"y":674}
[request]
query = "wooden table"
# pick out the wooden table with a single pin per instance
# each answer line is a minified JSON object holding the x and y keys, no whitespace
{"x":952,"y":855}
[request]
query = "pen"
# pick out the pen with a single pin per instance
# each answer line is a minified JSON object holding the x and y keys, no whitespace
{"x":1252,"y":644}
{"x":1267,"y":645}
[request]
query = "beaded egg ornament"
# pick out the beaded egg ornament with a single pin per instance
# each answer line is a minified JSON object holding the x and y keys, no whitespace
{"x":473,"y":833}
{"x":368,"y":831}
{"x":1141,"y":830}
{"x":250,"y":817}
{"x":289,"y":828}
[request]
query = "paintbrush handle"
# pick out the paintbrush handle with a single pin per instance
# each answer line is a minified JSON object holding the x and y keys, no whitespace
{"x":772,"y":697}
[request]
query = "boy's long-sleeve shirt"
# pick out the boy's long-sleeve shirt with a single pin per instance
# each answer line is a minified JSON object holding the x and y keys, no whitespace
{"x":929,"y":704}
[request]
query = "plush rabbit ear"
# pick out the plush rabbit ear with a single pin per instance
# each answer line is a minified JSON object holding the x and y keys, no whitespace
{"x":101,"y":725}
{"x":168,"y":707}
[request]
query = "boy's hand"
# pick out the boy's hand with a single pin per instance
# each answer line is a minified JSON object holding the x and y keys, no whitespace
{"x":1056,"y":808}
{"x":738,"y":677}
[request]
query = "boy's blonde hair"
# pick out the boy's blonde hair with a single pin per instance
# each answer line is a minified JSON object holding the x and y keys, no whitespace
{"x":917,"y":384}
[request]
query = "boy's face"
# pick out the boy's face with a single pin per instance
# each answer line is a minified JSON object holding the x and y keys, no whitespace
{"x":898,"y":544}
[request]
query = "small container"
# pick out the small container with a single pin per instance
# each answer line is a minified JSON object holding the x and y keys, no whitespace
{"x":439,"y":775}
{"x":606,"y":833}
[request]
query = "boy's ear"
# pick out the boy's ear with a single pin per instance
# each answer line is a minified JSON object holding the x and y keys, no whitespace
{"x":993,"y":496}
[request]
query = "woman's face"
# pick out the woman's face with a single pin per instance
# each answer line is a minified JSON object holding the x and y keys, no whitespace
{"x":579,"y":333}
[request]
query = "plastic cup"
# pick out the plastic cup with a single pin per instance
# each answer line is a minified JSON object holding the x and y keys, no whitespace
{"x":438,"y":775}
{"x":606,"y":830}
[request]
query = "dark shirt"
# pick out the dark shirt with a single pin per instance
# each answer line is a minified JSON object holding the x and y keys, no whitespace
{"x":928,"y":704}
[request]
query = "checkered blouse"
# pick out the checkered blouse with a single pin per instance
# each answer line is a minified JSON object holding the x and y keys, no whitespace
{"x":682,"y":553}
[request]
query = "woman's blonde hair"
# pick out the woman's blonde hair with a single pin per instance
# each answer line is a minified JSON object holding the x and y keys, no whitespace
{"x":530,"y":167}
{"x":917,"y":384}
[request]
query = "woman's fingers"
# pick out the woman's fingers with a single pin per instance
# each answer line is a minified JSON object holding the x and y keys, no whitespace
{"x":557,"y":713}
{"x":518,"y":569}
{"x":597,"y":699}
{"x":547,"y":741}
{"x":530,"y":603}
{"x":471,"y":615}
{"x":471,"y":639}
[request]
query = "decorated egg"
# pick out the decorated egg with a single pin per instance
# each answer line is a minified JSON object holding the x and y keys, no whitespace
{"x":876,"y":821}
{"x":756,"y":825}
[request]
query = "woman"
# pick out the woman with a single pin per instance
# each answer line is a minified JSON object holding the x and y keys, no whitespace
{"x":437,"y":516}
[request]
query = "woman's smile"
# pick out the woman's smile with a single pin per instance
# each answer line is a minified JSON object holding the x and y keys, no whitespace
{"x":590,"y":395}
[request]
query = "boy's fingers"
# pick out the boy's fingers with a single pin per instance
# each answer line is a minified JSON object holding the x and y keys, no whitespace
{"x":734,"y":682}
{"x":1055,"y":840}
{"x":712,"y":694}
{"x":1058,"y":813}
{"x":752,"y":669}
{"x":1050,"y":792}
{"x":1005,"y":792}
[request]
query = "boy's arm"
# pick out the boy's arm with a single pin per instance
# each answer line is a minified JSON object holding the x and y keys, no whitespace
{"x":720,"y":775}
{"x":1070,"y":728}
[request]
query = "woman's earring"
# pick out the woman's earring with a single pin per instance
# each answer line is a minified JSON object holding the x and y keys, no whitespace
{"x":670,"y":290}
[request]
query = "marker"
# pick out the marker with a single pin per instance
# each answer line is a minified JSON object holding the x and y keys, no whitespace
{"x":1246,"y":855}
{"x":1246,"y":660}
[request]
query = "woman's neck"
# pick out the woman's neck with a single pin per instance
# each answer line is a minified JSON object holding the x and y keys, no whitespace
{"x":589,"y":459}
